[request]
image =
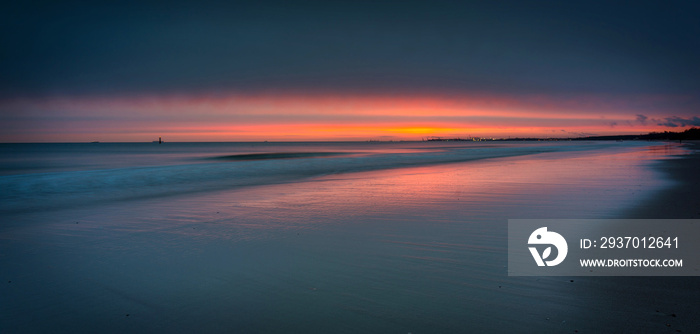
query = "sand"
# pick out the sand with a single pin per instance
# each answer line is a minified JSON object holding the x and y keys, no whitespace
{"x":681,"y":201}
{"x":419,"y":250}
{"x":660,"y":304}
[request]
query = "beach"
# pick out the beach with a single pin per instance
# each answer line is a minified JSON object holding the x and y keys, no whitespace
{"x":404,"y":238}
{"x":680,"y":201}
{"x":652,"y":303}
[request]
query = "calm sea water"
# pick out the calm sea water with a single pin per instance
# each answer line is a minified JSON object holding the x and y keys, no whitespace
{"x":51,"y":176}
{"x":303,"y":237}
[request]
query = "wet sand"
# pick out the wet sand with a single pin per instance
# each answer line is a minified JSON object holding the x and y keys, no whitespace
{"x":659,"y":304}
{"x":420,"y":249}
{"x":682,"y":199}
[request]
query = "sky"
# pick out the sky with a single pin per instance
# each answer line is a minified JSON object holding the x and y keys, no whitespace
{"x":345,"y":70}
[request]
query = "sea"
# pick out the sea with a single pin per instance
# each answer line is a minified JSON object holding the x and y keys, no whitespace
{"x":307,"y":237}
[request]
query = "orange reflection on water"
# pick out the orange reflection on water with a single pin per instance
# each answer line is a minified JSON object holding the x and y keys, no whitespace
{"x":586,"y":184}
{"x":595,"y":184}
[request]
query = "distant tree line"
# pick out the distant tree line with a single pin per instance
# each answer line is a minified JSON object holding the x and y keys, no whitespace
{"x":690,"y":134}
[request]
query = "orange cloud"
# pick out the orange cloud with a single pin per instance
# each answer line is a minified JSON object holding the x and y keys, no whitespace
{"x":315,"y":117}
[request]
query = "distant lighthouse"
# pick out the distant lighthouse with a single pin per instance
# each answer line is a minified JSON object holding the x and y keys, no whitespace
{"x":160,"y":141}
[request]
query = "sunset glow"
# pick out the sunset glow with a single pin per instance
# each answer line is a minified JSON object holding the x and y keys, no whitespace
{"x":321,"y":118}
{"x":328,"y":71}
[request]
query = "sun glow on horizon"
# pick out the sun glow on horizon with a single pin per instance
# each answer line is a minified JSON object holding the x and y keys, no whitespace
{"x":318,"y":118}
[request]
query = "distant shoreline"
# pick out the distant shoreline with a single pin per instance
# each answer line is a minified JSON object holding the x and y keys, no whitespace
{"x":692,"y":134}
{"x":352,"y":141}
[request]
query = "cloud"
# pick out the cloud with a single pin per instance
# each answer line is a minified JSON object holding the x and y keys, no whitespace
{"x":579,"y":134}
{"x":676,"y":121}
{"x":642,"y":119}
{"x":441,"y":47}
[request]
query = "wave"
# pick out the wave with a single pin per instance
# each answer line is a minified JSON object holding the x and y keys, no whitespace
{"x":278,"y":155}
{"x":42,"y":191}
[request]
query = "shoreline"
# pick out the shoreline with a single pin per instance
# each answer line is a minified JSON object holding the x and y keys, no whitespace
{"x":680,"y":201}
{"x":420,"y":250}
{"x":660,"y":303}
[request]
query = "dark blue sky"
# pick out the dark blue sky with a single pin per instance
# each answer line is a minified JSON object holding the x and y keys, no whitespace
{"x":345,"y":70}
{"x":384,"y":47}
